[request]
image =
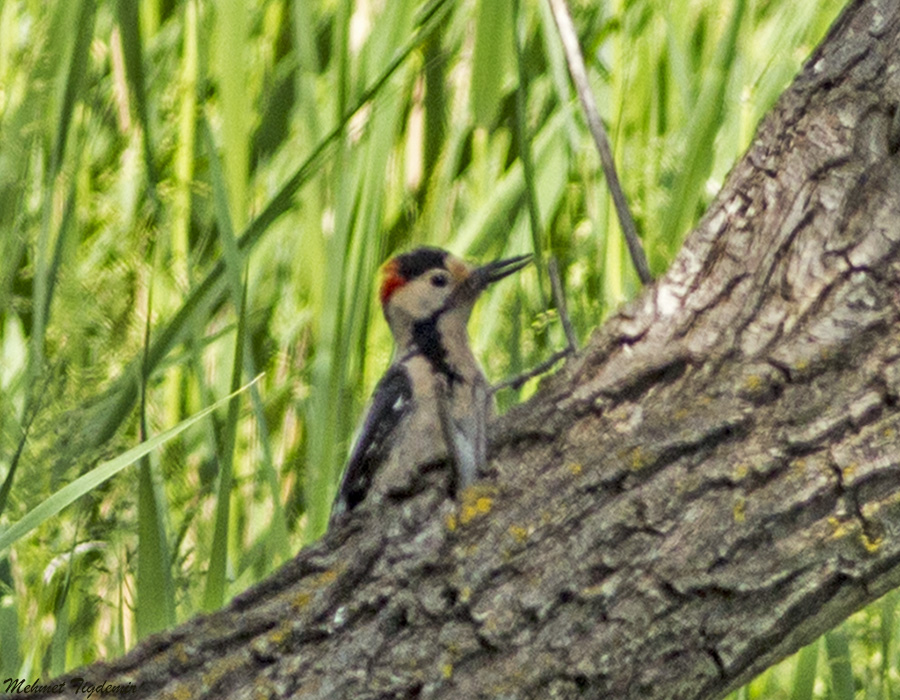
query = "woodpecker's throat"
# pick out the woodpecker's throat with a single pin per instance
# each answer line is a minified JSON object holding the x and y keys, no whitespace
{"x":427,"y":341}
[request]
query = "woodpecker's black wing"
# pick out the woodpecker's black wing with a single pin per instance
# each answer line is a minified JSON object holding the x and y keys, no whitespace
{"x":391,"y":401}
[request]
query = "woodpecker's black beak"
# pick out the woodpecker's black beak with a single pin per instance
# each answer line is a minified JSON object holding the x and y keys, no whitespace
{"x":484,"y":276}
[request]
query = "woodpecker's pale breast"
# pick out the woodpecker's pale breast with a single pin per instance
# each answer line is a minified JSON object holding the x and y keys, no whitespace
{"x":418,"y":439}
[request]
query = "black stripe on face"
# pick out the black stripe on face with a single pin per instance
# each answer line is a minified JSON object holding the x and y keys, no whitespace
{"x":419,"y":261}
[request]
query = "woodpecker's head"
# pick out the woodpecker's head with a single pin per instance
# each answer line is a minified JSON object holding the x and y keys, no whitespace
{"x":429,"y":282}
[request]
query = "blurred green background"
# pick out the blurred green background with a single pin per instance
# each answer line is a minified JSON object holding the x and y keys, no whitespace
{"x":194,"y":194}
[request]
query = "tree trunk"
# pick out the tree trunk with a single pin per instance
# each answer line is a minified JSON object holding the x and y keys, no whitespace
{"x":710,"y":485}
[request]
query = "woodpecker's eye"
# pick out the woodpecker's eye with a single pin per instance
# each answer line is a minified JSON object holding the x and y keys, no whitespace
{"x":439,"y":279}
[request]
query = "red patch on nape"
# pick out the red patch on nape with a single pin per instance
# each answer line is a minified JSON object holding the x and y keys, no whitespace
{"x":391,"y":281}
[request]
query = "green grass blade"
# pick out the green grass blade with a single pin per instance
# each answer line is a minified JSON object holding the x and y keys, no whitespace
{"x":214,"y":595}
{"x":805,"y":672}
{"x":435,"y":105}
{"x":234,"y":261}
{"x":886,"y":633}
{"x":99,"y":474}
{"x":66,"y":227}
{"x":14,"y":462}
{"x":77,"y":69}
{"x":130,"y":27}
{"x":10,"y":650}
{"x":184,"y":150}
{"x":155,"y":609}
{"x":492,"y":56}
{"x":44,"y":275}
{"x":230,"y":69}
{"x":705,"y":120}
{"x":559,"y":72}
{"x":60,"y":632}
{"x":837,"y":650}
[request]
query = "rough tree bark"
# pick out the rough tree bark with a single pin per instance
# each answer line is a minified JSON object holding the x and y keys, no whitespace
{"x":711,"y":484}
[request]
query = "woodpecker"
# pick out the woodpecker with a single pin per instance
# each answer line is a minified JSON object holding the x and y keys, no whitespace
{"x":434,"y":401}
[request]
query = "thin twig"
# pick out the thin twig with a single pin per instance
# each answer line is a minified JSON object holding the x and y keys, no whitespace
{"x":577,"y":70}
{"x":519,"y":380}
{"x":559,"y":299}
